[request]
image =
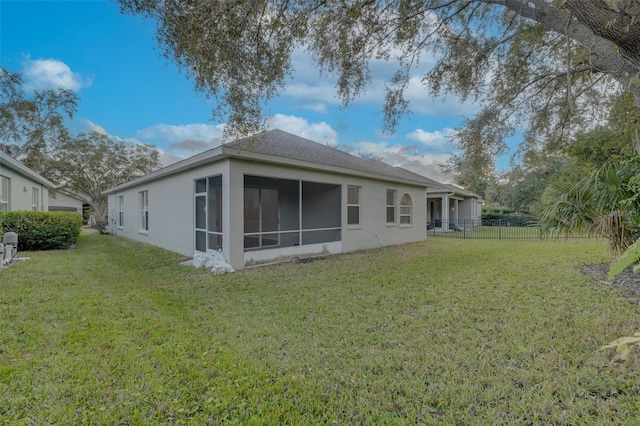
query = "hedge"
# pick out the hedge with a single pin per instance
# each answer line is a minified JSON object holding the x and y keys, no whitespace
{"x":42,"y":230}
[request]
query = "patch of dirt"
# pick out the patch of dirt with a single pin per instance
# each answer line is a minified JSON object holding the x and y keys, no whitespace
{"x":627,"y":283}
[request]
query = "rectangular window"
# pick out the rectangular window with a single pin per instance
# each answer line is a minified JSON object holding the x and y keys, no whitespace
{"x":144,"y":210}
{"x":35,"y":197}
{"x":405,"y":210}
{"x":5,"y":194}
{"x":391,"y":206}
{"x":353,"y":205}
{"x":120,"y":211}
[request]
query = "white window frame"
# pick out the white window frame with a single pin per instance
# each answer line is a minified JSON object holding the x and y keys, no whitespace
{"x":357,"y":204}
{"x":35,"y":195}
{"x":143,"y":205}
{"x":5,"y":193}
{"x":391,"y":207}
{"x":120,"y":211}
{"x":406,"y":218}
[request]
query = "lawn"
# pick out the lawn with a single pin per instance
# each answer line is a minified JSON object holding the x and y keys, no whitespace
{"x":442,"y":332}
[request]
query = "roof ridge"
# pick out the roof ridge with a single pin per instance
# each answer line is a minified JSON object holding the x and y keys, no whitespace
{"x":279,"y":143}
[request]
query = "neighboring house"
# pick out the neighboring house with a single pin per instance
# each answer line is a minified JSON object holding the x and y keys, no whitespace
{"x":21,"y":188}
{"x":450,"y":207}
{"x":65,"y":199}
{"x":271,"y":197}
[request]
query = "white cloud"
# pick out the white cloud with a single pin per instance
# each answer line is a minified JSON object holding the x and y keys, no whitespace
{"x":380,"y":148}
{"x":437,"y":139}
{"x":318,"y":132}
{"x":319,"y":107}
{"x":309,"y":87}
{"x":187,"y":137}
{"x":408,"y":157}
{"x":425,"y":165}
{"x":167,"y":158}
{"x":93,"y":127}
{"x":322,"y":92}
{"x":43,"y":74}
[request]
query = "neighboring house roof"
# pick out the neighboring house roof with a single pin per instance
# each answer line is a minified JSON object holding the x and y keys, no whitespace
{"x":9,"y":162}
{"x":69,"y":192}
{"x":447,"y":187}
{"x":279,"y":147}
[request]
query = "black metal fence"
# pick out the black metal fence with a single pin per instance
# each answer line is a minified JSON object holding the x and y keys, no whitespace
{"x":516,"y":228}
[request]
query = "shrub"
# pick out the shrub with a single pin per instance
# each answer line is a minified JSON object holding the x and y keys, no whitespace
{"x":42,"y":230}
{"x":503,"y":216}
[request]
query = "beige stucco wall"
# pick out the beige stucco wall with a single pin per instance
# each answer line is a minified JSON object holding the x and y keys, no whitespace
{"x":470,"y":209}
{"x":60,"y":199}
{"x":22,"y":191}
{"x":171,"y":213}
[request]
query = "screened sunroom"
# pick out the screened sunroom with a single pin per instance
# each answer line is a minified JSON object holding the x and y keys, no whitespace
{"x":286,"y":213}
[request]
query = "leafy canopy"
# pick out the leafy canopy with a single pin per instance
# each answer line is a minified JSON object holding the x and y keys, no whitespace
{"x":32,"y":124}
{"x":94,"y":162}
{"x":545,"y":66}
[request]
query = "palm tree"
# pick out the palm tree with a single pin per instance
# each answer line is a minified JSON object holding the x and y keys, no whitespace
{"x":606,"y":202}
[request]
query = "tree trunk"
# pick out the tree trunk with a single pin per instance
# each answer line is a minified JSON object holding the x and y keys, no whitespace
{"x":611,"y":36}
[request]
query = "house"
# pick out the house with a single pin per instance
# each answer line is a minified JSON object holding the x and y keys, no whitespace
{"x":271,"y":197}
{"x":21,"y":188}
{"x":451,"y":208}
{"x":65,"y":199}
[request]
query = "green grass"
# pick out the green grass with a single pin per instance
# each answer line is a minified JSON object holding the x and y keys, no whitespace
{"x":442,"y":332}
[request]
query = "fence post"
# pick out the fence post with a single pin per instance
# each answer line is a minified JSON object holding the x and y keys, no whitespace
{"x":499,"y":229}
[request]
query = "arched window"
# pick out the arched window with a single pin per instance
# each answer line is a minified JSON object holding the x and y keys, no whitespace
{"x":405,"y":210}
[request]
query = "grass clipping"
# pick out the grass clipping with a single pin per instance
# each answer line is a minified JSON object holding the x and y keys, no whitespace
{"x":623,"y":347}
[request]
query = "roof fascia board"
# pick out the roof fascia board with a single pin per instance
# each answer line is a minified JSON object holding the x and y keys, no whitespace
{"x":440,"y":192}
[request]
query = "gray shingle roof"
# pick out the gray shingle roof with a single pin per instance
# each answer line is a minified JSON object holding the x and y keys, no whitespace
{"x":447,"y":187}
{"x":279,"y":146}
{"x":278,"y":143}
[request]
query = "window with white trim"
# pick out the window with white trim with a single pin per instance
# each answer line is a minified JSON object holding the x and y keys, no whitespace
{"x":120,"y":211}
{"x":35,"y":197}
{"x":391,"y":206}
{"x":405,"y":210}
{"x":353,"y":205}
{"x":5,"y":194}
{"x":144,"y":210}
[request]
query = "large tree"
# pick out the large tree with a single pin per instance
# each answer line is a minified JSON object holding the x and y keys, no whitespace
{"x":32,"y":124}
{"x":94,"y":162}
{"x":521,"y":187}
{"x":547,"y":66}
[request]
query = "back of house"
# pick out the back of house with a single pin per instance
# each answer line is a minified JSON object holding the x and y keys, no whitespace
{"x":271,"y":197}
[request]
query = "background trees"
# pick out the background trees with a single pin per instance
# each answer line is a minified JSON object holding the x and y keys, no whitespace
{"x":32,"y":125}
{"x":33,"y":130}
{"x":94,"y":162}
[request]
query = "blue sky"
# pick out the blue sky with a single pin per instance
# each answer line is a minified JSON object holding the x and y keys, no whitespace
{"x":128,"y":90}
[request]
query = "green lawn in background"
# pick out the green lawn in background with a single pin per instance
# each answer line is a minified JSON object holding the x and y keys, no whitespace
{"x":442,"y":332}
